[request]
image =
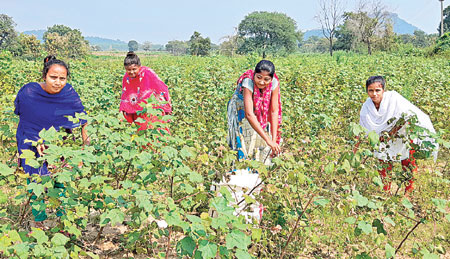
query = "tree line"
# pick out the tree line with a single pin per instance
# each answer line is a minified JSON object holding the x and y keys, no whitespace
{"x":366,"y":29}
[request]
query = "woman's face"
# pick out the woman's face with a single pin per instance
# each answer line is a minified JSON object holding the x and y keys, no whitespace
{"x":262,"y":79}
{"x":132,"y":70}
{"x":375,"y":92}
{"x":55,"y":80}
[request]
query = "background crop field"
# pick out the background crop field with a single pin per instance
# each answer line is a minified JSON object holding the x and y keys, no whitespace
{"x":320,"y":200}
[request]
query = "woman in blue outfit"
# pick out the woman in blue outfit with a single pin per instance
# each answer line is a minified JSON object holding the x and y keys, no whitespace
{"x":43,"y":105}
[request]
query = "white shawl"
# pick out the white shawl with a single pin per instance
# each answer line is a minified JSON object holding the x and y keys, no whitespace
{"x":393,"y":105}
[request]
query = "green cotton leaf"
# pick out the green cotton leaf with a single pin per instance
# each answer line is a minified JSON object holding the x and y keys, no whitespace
{"x":48,"y":134}
{"x":21,"y":250}
{"x":173,"y":219}
{"x":329,"y":168}
{"x":389,"y":221}
{"x":242,"y":254}
{"x":221,"y":205}
{"x":363,"y":256}
{"x":346,"y":166}
{"x":377,"y":180}
{"x":256,"y":234}
{"x":237,"y":239}
{"x":195,"y":177}
{"x":40,"y":251}
{"x":185,"y":152}
{"x":430,"y":256}
{"x":223,"y":251}
{"x":321,"y":202}
{"x":170,"y":152}
{"x":208,"y":249}
{"x":407,"y":203}
{"x":350,"y":220}
{"x":5,"y":170}
{"x":374,"y":139}
{"x":37,"y":188}
{"x":440,"y":204}
{"x":116,"y":216}
{"x":30,"y":158}
{"x":365,"y":227}
{"x":92,"y":255}
{"x":59,"y":239}
{"x":361,"y":200}
{"x":194,"y":219}
{"x":447,"y":217}
{"x":27,"y":154}
{"x":356,"y":129}
{"x":39,"y":234}
{"x":219,"y":222}
{"x":379,"y":225}
{"x":372,"y":205}
{"x":143,"y":200}
{"x":389,"y":251}
{"x":188,"y":245}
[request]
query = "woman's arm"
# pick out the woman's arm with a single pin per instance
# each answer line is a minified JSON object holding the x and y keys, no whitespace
{"x":250,"y":116}
{"x":274,"y":111}
{"x":84,"y":135}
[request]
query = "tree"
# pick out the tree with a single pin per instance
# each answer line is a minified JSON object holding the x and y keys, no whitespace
{"x":64,"y":41}
{"x":368,"y":22}
{"x":147,"y":46}
{"x":446,"y":20}
{"x":268,"y":32}
{"x":177,"y":47}
{"x":199,"y":46}
{"x":314,"y":44}
{"x":59,"y":29}
{"x":230,"y":44}
{"x":133,"y":45}
{"x":330,"y":16}
{"x":345,"y":39}
{"x":8,"y":34}
{"x":28,"y":46}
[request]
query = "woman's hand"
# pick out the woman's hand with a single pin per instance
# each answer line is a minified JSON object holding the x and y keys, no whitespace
{"x":276,"y":150}
{"x":40,"y":149}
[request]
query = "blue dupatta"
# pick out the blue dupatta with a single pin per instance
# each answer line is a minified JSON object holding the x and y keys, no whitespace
{"x":39,"y":110}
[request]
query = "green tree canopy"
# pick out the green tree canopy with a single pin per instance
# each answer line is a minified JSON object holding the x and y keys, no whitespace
{"x":8,"y":34}
{"x":64,"y":41}
{"x":177,"y":47}
{"x":268,"y":32}
{"x":133,"y":45}
{"x":199,"y":46}
{"x":147,"y":46}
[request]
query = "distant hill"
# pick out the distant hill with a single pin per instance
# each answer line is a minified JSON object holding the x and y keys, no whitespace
{"x":104,"y":44}
{"x":400,"y":27}
{"x":38,"y":33}
{"x":107,"y":44}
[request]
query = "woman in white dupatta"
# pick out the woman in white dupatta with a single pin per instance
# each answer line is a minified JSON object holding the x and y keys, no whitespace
{"x":389,"y":112}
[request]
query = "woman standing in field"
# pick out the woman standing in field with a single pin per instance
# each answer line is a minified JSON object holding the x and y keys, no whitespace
{"x":389,"y":114}
{"x":44,"y":105}
{"x":254,"y":114}
{"x":140,"y":83}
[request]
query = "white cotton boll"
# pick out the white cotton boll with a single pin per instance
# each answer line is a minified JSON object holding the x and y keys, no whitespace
{"x":161,"y":224}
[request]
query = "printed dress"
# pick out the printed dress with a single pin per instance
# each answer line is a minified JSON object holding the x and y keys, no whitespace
{"x":241,"y":136}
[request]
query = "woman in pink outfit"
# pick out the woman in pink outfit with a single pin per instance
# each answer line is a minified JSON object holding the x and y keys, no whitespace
{"x":138,"y":84}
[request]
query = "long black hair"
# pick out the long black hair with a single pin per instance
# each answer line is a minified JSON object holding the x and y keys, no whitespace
{"x":265,"y":65}
{"x":131,"y":59}
{"x":51,"y":60}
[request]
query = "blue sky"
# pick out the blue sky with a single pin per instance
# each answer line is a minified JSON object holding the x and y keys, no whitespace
{"x":161,"y":21}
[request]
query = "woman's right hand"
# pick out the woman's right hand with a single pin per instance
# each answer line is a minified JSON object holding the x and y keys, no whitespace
{"x":40,"y":149}
{"x":276,"y":150}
